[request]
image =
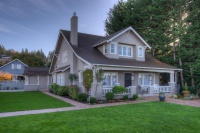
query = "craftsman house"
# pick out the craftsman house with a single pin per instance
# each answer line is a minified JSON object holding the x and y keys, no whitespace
{"x":121,"y":56}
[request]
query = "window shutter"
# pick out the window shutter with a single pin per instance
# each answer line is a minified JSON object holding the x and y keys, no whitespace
{"x":12,"y":66}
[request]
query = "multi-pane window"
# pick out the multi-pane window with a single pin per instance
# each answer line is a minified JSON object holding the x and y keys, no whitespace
{"x":140,"y":51}
{"x":110,"y":79}
{"x":124,"y":50}
{"x":113,"y":48}
{"x":64,"y":57}
{"x":146,"y":79}
{"x":16,"y":66}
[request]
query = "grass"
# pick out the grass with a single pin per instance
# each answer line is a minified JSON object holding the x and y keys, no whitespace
{"x":18,"y":101}
{"x":153,"y":117}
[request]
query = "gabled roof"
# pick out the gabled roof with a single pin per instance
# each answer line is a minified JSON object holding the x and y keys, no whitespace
{"x":117,"y":34}
{"x":12,"y":62}
{"x":87,"y":52}
{"x":36,"y":71}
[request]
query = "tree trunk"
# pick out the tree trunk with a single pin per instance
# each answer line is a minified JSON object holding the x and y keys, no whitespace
{"x":181,"y":73}
{"x":192,"y":77}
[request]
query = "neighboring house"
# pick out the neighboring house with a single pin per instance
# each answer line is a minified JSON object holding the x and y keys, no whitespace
{"x":121,"y":56}
{"x":37,"y":78}
{"x":16,"y":68}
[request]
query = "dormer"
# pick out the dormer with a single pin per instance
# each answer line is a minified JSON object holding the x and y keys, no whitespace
{"x":126,"y":44}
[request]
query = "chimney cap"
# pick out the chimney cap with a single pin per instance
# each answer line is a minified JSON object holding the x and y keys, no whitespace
{"x":74,"y":14}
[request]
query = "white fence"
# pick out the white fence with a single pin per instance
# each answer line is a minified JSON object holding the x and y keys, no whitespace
{"x":158,"y":89}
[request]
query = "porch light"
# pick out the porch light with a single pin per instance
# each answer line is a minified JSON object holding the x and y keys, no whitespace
{"x":132,"y":77}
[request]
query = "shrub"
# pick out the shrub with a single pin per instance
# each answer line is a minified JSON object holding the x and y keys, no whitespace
{"x":82,"y":97}
{"x":135,"y":96}
{"x":54,"y":88}
{"x":125,"y":97}
{"x":62,"y":91}
{"x":193,"y":90}
{"x":118,"y":89}
{"x":73,"y":92}
{"x":92,"y":100}
{"x":109,"y":96}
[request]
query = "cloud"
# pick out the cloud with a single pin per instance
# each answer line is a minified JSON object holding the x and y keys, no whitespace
{"x":14,"y":27}
{"x":5,"y":29}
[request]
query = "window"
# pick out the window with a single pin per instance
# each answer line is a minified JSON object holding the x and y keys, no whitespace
{"x":110,"y":79}
{"x":113,"y":48}
{"x":64,"y":57}
{"x":140,"y":51}
{"x":124,"y":50}
{"x":16,"y":66}
{"x":146,"y":79}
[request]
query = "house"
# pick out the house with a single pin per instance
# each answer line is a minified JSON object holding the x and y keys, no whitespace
{"x":122,"y":56}
{"x":37,"y":78}
{"x":16,"y":69}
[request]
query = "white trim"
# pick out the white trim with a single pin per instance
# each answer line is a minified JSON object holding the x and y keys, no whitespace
{"x":142,"y":51}
{"x":13,"y":61}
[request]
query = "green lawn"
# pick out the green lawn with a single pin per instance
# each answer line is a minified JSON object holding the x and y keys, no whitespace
{"x":153,"y":117}
{"x":18,"y":101}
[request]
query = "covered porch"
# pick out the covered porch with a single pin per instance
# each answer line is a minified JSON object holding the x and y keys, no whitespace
{"x":144,"y":82}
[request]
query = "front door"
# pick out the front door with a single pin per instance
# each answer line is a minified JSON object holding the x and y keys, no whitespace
{"x":127,"y":79}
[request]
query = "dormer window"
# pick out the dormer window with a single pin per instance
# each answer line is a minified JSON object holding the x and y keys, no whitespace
{"x":140,"y":51}
{"x":124,"y":50}
{"x":112,"y":48}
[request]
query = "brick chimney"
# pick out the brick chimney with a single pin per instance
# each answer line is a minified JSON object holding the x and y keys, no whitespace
{"x":74,"y":30}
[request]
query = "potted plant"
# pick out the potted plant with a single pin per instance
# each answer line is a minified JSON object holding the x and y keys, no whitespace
{"x":185,"y":91}
{"x":162,"y":96}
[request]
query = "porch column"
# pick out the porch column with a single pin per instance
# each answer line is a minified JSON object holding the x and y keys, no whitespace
{"x":171,"y":77}
{"x":38,"y":79}
{"x":47,"y":82}
{"x":172,"y":84}
{"x":26,"y":80}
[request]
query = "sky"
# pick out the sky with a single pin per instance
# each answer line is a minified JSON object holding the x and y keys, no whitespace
{"x":35,"y":24}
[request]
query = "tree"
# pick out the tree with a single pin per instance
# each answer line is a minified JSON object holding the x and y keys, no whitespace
{"x":87,"y":79}
{"x":29,"y":59}
{"x":170,"y":27}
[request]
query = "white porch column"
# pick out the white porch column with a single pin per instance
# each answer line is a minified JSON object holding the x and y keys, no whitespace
{"x":26,"y":80}
{"x":38,"y":79}
{"x":171,"y":77}
{"x":172,"y":84}
{"x":47,"y":82}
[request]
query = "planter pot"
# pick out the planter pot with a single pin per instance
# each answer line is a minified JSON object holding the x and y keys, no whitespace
{"x":162,"y":97}
{"x":185,"y":93}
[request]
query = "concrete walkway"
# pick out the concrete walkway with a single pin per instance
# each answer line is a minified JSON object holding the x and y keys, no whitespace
{"x":79,"y":106}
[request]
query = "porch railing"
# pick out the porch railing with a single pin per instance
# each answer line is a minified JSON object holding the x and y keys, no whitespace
{"x":106,"y":90}
{"x":162,"y":89}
